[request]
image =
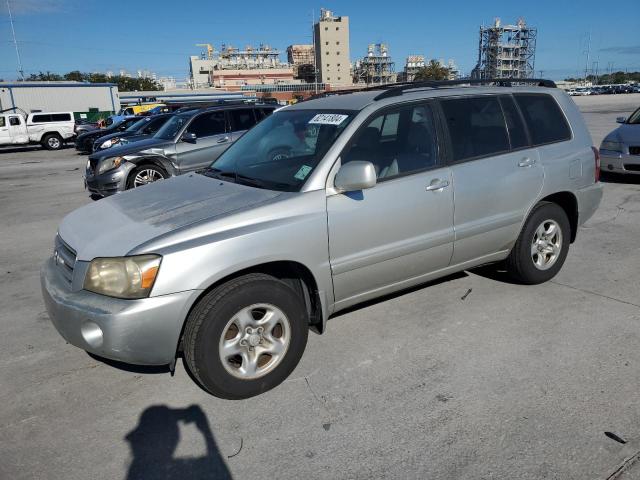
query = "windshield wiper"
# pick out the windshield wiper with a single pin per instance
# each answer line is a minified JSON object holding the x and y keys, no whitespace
{"x":219,"y":174}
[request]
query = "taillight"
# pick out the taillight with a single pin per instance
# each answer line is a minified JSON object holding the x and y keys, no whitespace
{"x":596,"y":155}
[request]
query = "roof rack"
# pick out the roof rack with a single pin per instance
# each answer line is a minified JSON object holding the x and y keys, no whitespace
{"x":395,"y":89}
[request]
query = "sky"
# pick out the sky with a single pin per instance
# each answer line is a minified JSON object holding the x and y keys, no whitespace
{"x":158,"y":35}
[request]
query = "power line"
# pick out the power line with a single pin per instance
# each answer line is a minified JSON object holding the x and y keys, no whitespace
{"x":15,"y":43}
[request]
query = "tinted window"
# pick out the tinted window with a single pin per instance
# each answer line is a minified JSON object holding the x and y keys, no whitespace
{"x":544,"y":118}
{"x":263,"y":113}
{"x":207,"y":124}
{"x":170,"y":129}
{"x":476,"y":127}
{"x":2,"y":122}
{"x":515,"y":126}
{"x":397,"y":142}
{"x":41,"y":118}
{"x":61,"y":117}
{"x":242,"y":119}
{"x":14,"y":121}
{"x":154,"y":125}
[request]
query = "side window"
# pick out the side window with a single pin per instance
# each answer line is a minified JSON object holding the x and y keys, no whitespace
{"x":3,"y":122}
{"x":544,"y":118}
{"x":41,"y":118}
{"x":242,"y":119}
{"x":61,"y":117}
{"x":207,"y":124}
{"x":153,"y":126}
{"x":263,"y":113}
{"x":515,"y":126}
{"x":14,"y":121}
{"x":476,"y":127}
{"x":398,"y":142}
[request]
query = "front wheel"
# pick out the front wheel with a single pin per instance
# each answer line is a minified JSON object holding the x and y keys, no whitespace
{"x":145,"y":174}
{"x":542,"y":246}
{"x":245,"y":336}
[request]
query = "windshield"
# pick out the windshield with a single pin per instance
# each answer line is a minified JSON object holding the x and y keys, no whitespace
{"x":134,"y":127}
{"x":170,"y":129}
{"x":281,"y":151}
{"x":634,"y":118}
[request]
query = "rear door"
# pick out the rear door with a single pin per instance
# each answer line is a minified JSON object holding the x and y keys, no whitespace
{"x":496,"y":174}
{"x":241,"y":120}
{"x":212,"y":138}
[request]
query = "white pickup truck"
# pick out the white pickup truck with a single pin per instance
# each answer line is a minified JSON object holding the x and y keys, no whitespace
{"x":49,"y":129}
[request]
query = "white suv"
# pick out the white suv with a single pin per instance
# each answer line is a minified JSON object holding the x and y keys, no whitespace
{"x":50,"y":129}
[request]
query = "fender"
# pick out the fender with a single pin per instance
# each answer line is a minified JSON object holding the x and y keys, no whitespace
{"x":156,"y":159}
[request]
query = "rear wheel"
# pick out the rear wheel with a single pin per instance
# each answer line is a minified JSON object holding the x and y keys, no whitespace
{"x":145,"y":174}
{"x":245,"y":336}
{"x":542,"y":246}
{"x":52,"y":141}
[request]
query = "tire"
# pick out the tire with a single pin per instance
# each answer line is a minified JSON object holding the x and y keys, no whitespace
{"x":215,"y":321}
{"x":152,"y":173}
{"x":537,"y":258}
{"x":52,"y":141}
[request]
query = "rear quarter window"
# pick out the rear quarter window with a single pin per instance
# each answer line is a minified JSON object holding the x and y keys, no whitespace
{"x":51,"y":117}
{"x":544,"y":118}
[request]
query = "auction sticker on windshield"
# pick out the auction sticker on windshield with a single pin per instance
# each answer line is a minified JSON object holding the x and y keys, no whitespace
{"x":328,"y":118}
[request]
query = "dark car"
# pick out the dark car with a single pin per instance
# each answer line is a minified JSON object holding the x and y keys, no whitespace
{"x":187,"y":142}
{"x":145,"y":127}
{"x":84,"y":142}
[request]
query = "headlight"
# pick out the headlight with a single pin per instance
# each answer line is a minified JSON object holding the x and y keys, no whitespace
{"x":109,"y":143}
{"x":611,"y":146}
{"x":109,"y":164}
{"x":123,"y":277}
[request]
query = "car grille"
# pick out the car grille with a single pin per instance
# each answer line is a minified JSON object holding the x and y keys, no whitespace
{"x":634,"y":150}
{"x":65,"y":259}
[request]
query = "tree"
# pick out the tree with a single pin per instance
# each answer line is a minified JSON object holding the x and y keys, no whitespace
{"x":433,"y":71}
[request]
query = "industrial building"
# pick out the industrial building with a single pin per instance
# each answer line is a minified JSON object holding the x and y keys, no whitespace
{"x":412,"y":65}
{"x":234,"y":67}
{"x":301,"y":58}
{"x":85,"y":100}
{"x":506,"y":51}
{"x":331,"y":40}
{"x":376,"y":68}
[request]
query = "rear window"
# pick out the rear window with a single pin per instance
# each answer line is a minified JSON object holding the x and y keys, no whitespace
{"x":544,"y":118}
{"x":242,"y":119}
{"x":51,"y":117}
{"x":476,"y":127}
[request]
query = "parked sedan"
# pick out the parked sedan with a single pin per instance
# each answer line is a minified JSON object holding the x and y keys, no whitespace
{"x":84,"y":142}
{"x":146,"y":127}
{"x":620,"y":150}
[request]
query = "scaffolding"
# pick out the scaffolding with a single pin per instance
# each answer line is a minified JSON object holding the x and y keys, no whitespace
{"x":233,"y":58}
{"x":376,"y":68}
{"x":506,"y":51}
{"x":302,"y":59}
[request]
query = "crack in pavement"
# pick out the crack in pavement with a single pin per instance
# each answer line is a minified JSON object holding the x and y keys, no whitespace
{"x":602,"y":295}
{"x":626,"y":464}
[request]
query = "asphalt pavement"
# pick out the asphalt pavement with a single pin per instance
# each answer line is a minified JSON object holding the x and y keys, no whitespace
{"x":467,"y":377}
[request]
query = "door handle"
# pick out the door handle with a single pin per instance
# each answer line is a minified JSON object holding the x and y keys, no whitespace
{"x":436,"y":185}
{"x":223,"y":139}
{"x":526,"y":162}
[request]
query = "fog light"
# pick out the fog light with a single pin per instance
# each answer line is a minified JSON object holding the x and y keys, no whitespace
{"x":92,"y":334}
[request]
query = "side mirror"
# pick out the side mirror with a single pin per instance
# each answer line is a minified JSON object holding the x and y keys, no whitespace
{"x":189,"y":137}
{"x":356,"y":175}
{"x":621,"y":119}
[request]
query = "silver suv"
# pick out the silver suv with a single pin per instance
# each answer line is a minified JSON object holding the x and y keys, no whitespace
{"x":323,"y":205}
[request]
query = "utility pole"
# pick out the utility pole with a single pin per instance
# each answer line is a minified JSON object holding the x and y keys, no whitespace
{"x":15,"y":43}
{"x":586,"y":65}
{"x":315,"y":66}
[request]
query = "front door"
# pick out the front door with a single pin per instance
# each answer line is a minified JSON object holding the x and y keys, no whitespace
{"x":241,"y":119}
{"x":212,"y":138}
{"x":14,"y":129}
{"x":392,"y":235}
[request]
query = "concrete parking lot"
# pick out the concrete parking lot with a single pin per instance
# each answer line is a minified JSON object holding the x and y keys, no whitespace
{"x":468,"y":377}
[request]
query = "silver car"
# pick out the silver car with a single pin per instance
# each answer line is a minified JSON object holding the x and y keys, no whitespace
{"x":323,"y":205}
{"x":620,"y":149}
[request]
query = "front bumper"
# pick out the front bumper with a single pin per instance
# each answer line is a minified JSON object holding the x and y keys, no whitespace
{"x":108,"y":183}
{"x":619,"y":162}
{"x":141,"y":332}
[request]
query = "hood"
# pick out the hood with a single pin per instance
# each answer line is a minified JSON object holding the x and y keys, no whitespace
{"x":129,"y":148}
{"x":114,"y":226}
{"x":626,"y":133}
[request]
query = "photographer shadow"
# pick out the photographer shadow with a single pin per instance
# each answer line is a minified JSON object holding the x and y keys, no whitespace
{"x":154,"y":441}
